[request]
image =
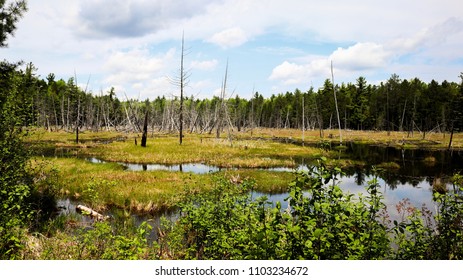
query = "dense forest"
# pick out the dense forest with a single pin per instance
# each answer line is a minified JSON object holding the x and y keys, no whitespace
{"x":395,"y":105}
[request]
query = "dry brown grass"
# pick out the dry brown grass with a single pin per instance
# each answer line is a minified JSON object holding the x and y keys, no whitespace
{"x":431,"y":140}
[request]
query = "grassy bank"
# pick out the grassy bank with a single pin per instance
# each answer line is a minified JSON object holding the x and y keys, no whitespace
{"x":249,"y":138}
{"x":109,"y":185}
{"x":105,"y":185}
{"x":404,"y":139}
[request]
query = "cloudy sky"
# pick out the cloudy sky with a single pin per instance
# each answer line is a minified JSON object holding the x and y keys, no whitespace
{"x":271,"y":46}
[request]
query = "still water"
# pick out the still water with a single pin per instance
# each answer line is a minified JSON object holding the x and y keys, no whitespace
{"x":413,"y":180}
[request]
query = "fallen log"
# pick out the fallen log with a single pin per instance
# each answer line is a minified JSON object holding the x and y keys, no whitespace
{"x":84,"y":210}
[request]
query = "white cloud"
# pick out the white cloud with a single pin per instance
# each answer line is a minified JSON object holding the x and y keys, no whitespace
{"x":135,"y":18}
{"x":361,"y":56}
{"x":442,"y":35}
{"x":204,"y":65}
{"x":431,"y":47}
{"x":139,"y":70}
{"x":354,"y":60}
{"x":125,"y":43}
{"x":290,"y":73}
{"x":229,"y":38}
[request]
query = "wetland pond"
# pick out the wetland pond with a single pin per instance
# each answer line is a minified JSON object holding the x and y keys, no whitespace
{"x":412,"y":177}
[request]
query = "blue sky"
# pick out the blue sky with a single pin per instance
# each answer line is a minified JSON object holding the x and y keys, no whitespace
{"x":271,"y":46}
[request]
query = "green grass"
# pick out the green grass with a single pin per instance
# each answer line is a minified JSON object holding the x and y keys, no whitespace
{"x":218,"y":152}
{"x":105,"y":185}
{"x":109,"y":185}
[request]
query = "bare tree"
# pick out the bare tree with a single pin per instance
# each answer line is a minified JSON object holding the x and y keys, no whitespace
{"x":336,"y":103}
{"x":76,"y":88}
{"x":134,"y":113}
{"x":145,"y":128}
{"x":222,"y":107}
{"x":303,"y":118}
{"x":182,"y":84}
{"x":181,"y":81}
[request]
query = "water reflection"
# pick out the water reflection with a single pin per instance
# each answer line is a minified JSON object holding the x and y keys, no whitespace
{"x":196,"y":168}
{"x":414,"y":167}
{"x":68,"y":207}
{"x":419,"y":195}
{"x":417,"y":171}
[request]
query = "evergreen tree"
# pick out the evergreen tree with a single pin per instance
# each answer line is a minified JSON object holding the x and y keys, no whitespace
{"x":15,"y":181}
{"x":10,"y":13}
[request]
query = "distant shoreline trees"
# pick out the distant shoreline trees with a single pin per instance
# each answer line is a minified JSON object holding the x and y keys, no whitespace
{"x":394,"y":105}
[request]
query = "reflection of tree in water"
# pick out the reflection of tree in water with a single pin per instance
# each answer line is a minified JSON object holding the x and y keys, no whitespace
{"x":415,"y":181}
{"x":390,"y":178}
{"x":360,"y":178}
{"x":357,"y":173}
{"x":414,"y":168}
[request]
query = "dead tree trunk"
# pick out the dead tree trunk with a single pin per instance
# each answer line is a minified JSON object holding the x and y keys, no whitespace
{"x":336,"y":103}
{"x":145,"y":130}
{"x":182,"y":84}
{"x":90,"y":212}
{"x":451,"y":137}
{"x":222,"y":104}
{"x":78,"y":116}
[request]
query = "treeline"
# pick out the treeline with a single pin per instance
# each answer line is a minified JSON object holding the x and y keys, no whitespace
{"x":394,"y":105}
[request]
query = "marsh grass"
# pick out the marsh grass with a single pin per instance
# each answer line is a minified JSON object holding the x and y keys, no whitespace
{"x":249,"y":139}
{"x":218,"y":152}
{"x":109,"y":185}
{"x":106,"y":185}
{"x":432,"y":140}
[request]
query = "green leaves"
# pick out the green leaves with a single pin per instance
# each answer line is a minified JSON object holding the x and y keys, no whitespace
{"x":322,"y":222}
{"x":11,"y":13}
{"x":22,"y":203}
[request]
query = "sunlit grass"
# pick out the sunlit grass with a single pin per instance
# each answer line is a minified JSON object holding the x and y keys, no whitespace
{"x":146,"y":191}
{"x":218,"y":152}
{"x":411,"y":140}
{"x":253,"y":138}
{"x":114,"y":186}
{"x":107,"y":185}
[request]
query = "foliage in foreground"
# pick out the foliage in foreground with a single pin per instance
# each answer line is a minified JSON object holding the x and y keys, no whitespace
{"x":320,"y":222}
{"x":96,"y":241}
{"x":25,"y":198}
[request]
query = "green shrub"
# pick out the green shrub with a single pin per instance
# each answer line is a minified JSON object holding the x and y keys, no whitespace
{"x":25,"y":199}
{"x":321,"y":222}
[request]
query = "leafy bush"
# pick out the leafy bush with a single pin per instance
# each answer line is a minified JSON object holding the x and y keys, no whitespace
{"x":26,"y":195}
{"x":422,"y":235}
{"x":104,"y":242}
{"x":14,"y":179}
{"x":321,"y":222}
